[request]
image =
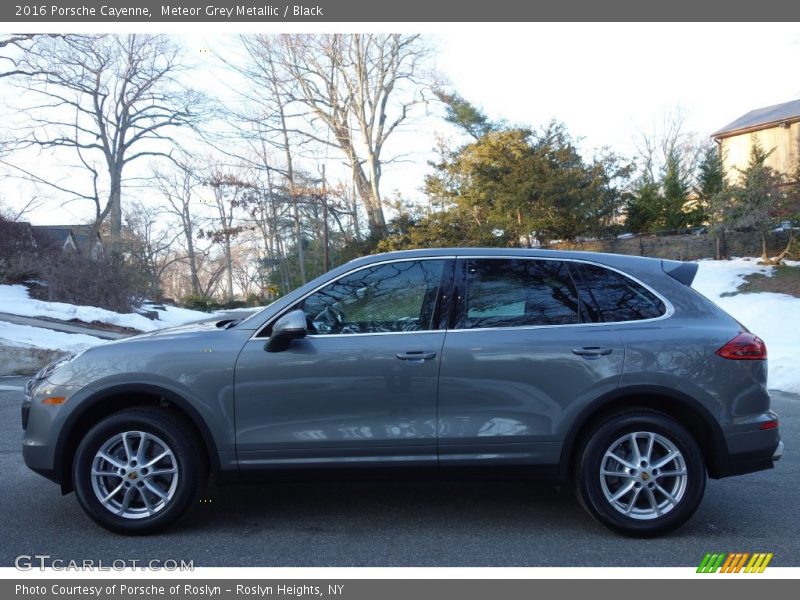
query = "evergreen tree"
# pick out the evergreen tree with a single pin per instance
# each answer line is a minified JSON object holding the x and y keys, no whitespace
{"x":465,"y":115}
{"x":643,"y":211}
{"x":675,"y":193}
{"x":757,"y":199}
{"x":513,"y":186}
{"x":710,"y":184}
{"x":710,"y":174}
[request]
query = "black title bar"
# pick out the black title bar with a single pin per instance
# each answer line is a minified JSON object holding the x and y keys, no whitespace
{"x":361,"y":11}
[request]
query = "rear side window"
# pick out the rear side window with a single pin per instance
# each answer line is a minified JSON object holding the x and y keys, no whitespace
{"x":517,"y":292}
{"x":609,"y":296}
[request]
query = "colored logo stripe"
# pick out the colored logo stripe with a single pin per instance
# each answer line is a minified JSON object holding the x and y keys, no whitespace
{"x":734,"y":562}
{"x":710,"y":563}
{"x":758,"y":563}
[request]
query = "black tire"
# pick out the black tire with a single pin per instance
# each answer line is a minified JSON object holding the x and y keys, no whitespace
{"x":189,"y":463}
{"x":596,"y":491}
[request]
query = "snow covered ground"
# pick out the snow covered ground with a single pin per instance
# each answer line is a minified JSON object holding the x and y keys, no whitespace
{"x":24,"y":336}
{"x":14,"y":300}
{"x":775,"y":318}
{"x":19,"y":343}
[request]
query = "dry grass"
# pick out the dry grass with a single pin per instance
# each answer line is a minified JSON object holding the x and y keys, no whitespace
{"x":784,"y":280}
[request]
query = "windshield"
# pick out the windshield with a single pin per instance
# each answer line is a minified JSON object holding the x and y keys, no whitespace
{"x":257,"y":311}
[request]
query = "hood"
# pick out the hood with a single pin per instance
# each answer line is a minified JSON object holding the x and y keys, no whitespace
{"x":157,"y":353}
{"x":214,"y":324}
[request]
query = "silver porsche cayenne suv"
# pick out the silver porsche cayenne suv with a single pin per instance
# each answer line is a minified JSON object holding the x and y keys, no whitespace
{"x":607,"y":372}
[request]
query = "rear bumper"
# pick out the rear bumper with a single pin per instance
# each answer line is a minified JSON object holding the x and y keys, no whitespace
{"x":778,"y":452}
{"x":748,"y":452}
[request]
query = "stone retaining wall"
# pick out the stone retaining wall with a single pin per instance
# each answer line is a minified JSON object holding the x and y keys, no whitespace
{"x":684,"y":246}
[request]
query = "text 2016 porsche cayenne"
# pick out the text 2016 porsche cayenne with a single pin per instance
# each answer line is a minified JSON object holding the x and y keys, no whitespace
{"x":606,"y":371}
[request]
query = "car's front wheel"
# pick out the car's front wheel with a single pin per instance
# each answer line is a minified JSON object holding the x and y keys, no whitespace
{"x":138,"y":470}
{"x":640,"y":473}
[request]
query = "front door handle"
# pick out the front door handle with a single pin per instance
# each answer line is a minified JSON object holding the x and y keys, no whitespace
{"x":416,"y":357}
{"x":592,"y":351}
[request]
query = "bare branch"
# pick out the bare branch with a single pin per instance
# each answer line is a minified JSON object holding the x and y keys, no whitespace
{"x":125,"y":102}
{"x":350,"y":85}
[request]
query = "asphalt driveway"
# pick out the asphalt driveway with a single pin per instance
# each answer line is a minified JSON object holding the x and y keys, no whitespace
{"x":407,"y":522}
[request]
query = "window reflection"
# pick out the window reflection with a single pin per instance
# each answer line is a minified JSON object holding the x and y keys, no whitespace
{"x":614,"y":297}
{"x":398,"y":296}
{"x":508,"y":293}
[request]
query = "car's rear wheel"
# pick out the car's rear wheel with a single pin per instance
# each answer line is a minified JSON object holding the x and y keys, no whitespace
{"x":138,"y":471}
{"x":640,"y":473}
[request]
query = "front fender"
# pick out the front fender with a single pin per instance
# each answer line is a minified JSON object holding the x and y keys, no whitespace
{"x":212,"y":422}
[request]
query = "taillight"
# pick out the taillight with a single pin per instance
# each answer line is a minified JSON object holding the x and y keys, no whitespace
{"x":744,"y":346}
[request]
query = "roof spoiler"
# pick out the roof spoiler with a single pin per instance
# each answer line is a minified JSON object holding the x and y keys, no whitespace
{"x":680,"y":271}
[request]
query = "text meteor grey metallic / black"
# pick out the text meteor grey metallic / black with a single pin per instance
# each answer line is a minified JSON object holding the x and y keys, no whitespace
{"x":606,"y":371}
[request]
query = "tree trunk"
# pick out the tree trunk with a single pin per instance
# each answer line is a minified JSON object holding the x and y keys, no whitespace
{"x":115,"y":210}
{"x":298,"y":231}
{"x":193,"y":271}
{"x":326,"y":260}
{"x":372,"y":204}
{"x":377,"y":224}
{"x":286,"y":283}
{"x":375,"y":196}
{"x":229,"y":267}
{"x":356,"y":226}
{"x":786,"y":251}
{"x":188,"y":233}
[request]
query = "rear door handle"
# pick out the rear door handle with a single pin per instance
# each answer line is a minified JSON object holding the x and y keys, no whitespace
{"x":416,"y":357}
{"x":592,"y":351}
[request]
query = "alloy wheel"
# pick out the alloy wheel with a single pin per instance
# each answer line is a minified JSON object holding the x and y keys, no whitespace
{"x":134,"y":474}
{"x":643,"y":475}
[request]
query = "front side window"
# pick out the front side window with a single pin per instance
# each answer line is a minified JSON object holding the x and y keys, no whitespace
{"x":612,"y":297}
{"x":518,"y":292}
{"x":397,"y":296}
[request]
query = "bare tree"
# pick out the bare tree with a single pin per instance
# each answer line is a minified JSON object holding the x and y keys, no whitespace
{"x":360,"y":87}
{"x":18,"y":213}
{"x":150,"y":243}
{"x":670,"y":138}
{"x":229,"y":187}
{"x":178,"y":187}
{"x":14,"y":46}
{"x":110,"y":100}
{"x":264,"y":123}
{"x":210,"y":268}
{"x":246,"y":274}
{"x":267,"y":208}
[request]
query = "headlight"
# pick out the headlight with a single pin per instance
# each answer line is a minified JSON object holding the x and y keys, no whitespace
{"x":47,"y":370}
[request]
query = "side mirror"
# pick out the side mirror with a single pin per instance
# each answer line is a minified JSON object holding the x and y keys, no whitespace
{"x":291,"y":326}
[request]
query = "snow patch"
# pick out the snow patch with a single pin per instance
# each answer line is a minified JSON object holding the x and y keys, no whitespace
{"x":15,"y":300}
{"x":775,"y":318}
{"x":24,"y":336}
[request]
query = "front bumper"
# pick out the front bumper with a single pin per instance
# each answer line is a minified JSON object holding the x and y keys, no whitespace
{"x":42,"y":425}
{"x":26,"y":403}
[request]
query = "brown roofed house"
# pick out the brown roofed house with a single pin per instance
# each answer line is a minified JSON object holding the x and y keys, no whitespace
{"x":776,"y":128}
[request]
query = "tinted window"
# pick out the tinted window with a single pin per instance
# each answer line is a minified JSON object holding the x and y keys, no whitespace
{"x":397,"y":296}
{"x":610,"y":296}
{"x":511,"y":293}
